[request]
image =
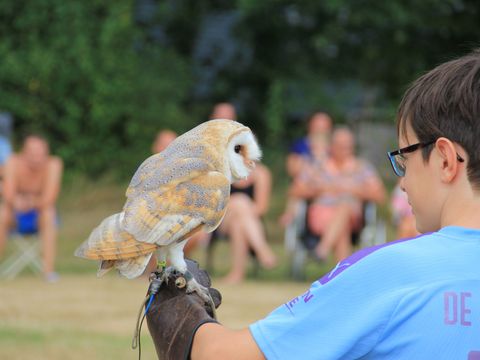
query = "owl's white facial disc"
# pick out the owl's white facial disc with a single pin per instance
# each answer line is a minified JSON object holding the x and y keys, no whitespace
{"x":242,"y":152}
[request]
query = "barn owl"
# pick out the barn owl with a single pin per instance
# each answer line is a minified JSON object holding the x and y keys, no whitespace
{"x":172,"y":195}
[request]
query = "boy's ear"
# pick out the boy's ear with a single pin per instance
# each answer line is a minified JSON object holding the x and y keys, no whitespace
{"x":449,"y":166}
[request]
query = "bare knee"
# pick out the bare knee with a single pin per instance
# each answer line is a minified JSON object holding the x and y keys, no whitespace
{"x":240,"y":204}
{"x":47,"y":216}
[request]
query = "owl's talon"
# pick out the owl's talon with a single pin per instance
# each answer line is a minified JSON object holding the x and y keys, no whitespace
{"x":164,"y":276}
{"x":202,"y":291}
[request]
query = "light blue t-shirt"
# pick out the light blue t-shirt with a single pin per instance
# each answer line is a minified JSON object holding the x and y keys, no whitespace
{"x":409,"y":299}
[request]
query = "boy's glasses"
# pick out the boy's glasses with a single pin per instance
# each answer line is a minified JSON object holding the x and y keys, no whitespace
{"x":397,"y":159}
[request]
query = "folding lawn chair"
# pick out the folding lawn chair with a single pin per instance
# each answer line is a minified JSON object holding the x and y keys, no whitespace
{"x":26,"y":254}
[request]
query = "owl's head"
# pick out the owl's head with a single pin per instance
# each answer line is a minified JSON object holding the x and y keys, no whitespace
{"x":229,"y":147}
{"x":242,"y":152}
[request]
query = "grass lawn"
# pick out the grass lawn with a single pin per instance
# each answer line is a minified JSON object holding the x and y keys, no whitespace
{"x":81,"y":317}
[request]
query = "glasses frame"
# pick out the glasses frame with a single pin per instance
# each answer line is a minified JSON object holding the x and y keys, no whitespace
{"x":409,"y":149}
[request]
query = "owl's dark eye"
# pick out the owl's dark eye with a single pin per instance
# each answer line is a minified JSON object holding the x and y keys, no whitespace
{"x":237,"y":148}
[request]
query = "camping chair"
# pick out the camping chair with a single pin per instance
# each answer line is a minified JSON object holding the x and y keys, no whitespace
{"x":300,"y":242}
{"x":26,"y":253}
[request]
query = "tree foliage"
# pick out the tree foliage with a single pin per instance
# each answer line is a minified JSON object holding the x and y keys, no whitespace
{"x":337,"y":55}
{"x":82,"y":73}
{"x":100,"y":78}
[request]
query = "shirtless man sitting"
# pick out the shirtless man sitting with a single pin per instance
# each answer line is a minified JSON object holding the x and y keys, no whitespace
{"x":31,"y":186}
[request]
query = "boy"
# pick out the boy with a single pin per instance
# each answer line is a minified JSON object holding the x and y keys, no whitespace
{"x":410,"y":299}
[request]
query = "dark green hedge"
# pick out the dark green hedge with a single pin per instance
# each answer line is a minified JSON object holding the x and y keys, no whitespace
{"x":99,"y":78}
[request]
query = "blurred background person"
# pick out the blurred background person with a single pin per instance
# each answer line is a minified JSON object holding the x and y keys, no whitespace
{"x":223,"y":110}
{"x":162,"y":140}
{"x":313,"y":147}
{"x":31,"y":187}
{"x":319,"y":129}
{"x":338,"y":188}
{"x":5,"y":144}
{"x":403,"y":217}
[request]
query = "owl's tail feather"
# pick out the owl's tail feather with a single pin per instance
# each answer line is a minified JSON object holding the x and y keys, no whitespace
{"x":130,"y":268}
{"x":105,"y":266}
{"x":116,"y":248}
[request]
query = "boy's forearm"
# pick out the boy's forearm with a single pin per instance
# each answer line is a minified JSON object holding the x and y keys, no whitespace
{"x":214,"y":341}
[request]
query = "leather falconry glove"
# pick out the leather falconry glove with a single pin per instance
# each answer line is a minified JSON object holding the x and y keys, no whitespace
{"x":174,"y":316}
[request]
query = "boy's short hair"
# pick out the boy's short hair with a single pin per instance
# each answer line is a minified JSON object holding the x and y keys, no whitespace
{"x":446,"y":102}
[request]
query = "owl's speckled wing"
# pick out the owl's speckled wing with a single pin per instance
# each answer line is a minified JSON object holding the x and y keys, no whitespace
{"x":109,"y":241}
{"x":168,"y":201}
{"x":161,"y":171}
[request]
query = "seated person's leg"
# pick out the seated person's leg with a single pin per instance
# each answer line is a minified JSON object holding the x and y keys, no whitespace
{"x":334,"y":225}
{"x":343,"y":245}
{"x":239,"y":246}
{"x":253,"y":231}
{"x":239,"y":254}
{"x":47,"y":219}
{"x":255,"y":234}
{"x":245,"y":229}
{"x":6,"y":222}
